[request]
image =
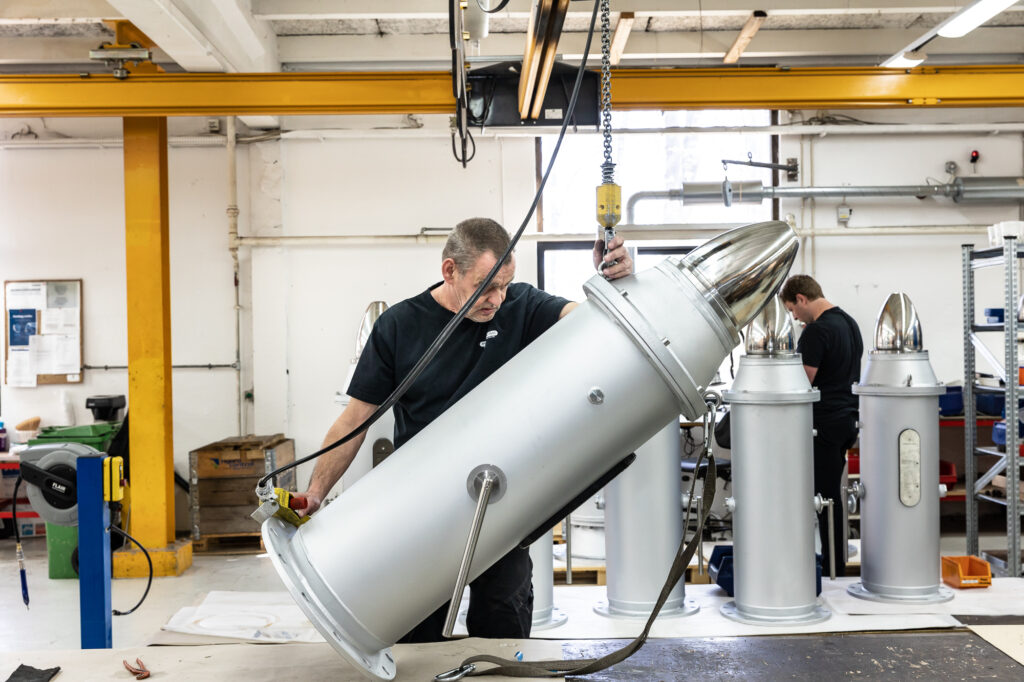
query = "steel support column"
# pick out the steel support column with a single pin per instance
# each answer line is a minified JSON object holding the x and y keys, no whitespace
{"x":149,"y":330}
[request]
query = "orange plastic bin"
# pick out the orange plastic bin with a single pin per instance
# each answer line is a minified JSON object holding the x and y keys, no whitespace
{"x":966,"y":571}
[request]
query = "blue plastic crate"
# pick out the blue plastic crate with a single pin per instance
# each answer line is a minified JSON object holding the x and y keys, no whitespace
{"x":720,"y":567}
{"x":990,"y":403}
{"x":952,"y":403}
{"x":994,"y":315}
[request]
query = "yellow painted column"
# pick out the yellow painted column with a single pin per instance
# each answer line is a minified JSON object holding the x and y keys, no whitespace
{"x":151,"y":516}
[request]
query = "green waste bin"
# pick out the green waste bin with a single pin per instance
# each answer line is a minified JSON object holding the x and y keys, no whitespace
{"x":61,"y":541}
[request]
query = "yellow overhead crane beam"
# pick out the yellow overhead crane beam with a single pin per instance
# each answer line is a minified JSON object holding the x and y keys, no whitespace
{"x":204,"y":94}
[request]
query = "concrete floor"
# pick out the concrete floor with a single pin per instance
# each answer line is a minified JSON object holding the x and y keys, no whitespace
{"x":51,"y":621}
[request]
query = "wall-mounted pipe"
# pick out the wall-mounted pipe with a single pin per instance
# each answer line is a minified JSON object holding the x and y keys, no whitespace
{"x":629,"y":232}
{"x":961,"y":190}
{"x":232,"y":214}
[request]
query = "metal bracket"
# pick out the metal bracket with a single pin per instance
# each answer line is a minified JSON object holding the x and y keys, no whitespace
{"x":791,"y":166}
{"x":116,"y":56}
{"x":475,"y":482}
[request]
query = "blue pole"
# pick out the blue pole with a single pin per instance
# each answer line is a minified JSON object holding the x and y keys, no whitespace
{"x":93,"y":555}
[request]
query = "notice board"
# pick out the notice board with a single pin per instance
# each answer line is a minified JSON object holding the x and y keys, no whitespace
{"x":43,"y":332}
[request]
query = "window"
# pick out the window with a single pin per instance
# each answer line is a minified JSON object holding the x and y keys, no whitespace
{"x":563,"y":267}
{"x":656,"y":161}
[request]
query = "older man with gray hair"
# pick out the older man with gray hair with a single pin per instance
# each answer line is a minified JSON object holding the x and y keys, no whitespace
{"x":505,"y":319}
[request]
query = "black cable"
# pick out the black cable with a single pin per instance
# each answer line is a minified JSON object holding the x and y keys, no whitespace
{"x":500,"y":7}
{"x":14,"y":510}
{"x":442,"y":337}
{"x":148,"y":582}
{"x":455,"y":153}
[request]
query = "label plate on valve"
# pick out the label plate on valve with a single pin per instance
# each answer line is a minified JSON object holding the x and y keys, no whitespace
{"x":910,"y":467}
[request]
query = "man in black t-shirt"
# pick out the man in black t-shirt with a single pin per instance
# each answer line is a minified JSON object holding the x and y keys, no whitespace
{"x":504,"y":320}
{"x":831,"y":348}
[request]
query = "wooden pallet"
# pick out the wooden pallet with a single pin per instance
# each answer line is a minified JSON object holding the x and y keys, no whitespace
{"x":229,"y":543}
{"x":582,"y":575}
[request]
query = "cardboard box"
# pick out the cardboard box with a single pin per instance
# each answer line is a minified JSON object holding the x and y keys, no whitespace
{"x":30,"y":528}
{"x":999,"y":482}
{"x":241,"y":456}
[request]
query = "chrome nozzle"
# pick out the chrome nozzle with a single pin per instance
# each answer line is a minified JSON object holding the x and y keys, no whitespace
{"x":373,"y":311}
{"x":744,"y":268}
{"x":898,"y":329}
{"x":771,"y":331}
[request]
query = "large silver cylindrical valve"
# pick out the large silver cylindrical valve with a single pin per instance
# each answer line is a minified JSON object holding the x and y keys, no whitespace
{"x":773,"y":505}
{"x":546,"y":426}
{"x":899,"y":464}
{"x":644,"y":525}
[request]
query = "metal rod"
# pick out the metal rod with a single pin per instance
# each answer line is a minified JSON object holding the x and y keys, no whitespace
{"x":993,"y":471}
{"x":1013,"y":564}
{"x":948,"y":190}
{"x":831,"y":540}
{"x":997,"y":365}
{"x":233,"y":365}
{"x":700,"y":530}
{"x":489,"y":478}
{"x":568,"y":549}
{"x":970,"y":414}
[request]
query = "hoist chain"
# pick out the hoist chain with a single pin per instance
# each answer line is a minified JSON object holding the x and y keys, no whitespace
{"x":607,"y":168}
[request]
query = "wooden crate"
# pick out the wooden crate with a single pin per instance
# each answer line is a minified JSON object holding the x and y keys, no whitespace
{"x":582,"y":575}
{"x":244,"y":456}
{"x":229,"y":543}
{"x":222,"y":483}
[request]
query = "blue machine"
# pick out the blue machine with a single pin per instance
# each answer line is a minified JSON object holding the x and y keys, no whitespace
{"x":72,"y":484}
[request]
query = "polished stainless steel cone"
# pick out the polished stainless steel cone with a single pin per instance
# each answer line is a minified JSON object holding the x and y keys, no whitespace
{"x":373,"y":311}
{"x":898,"y":329}
{"x":771,"y":331}
{"x":746,"y":266}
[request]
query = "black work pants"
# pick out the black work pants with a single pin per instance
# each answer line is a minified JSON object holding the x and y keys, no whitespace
{"x":834,"y":437}
{"x":500,"y":603}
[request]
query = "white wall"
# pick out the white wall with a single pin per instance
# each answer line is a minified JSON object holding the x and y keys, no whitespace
{"x":61,"y":215}
{"x":858,"y":273}
{"x":309,"y":301}
{"x":63,"y":218}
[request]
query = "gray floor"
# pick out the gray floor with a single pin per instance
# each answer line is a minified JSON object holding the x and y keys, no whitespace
{"x":51,"y":621}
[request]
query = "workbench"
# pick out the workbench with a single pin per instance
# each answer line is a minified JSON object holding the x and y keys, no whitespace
{"x":959,"y":654}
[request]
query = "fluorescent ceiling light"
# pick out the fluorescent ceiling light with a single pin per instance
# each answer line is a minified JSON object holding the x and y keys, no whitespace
{"x":971,"y":17}
{"x":904,"y":60}
{"x":960,"y":24}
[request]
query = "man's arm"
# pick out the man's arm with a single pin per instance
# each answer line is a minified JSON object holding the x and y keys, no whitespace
{"x":331,"y":465}
{"x":811,"y":373}
{"x":616,"y":252}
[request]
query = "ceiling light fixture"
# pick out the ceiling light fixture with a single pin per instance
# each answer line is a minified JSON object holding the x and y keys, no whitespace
{"x":960,"y":24}
{"x":971,"y":17}
{"x":905,"y":60}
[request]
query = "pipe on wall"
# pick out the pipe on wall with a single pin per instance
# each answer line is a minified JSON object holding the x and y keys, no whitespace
{"x":232,"y":215}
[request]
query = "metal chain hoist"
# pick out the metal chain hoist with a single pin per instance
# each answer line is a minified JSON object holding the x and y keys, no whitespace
{"x":609,"y":195}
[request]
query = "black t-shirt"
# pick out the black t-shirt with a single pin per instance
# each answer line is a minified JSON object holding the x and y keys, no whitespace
{"x":473,"y":352}
{"x":832,"y":343}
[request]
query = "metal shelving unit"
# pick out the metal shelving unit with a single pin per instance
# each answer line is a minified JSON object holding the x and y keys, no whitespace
{"x":1008,"y":462}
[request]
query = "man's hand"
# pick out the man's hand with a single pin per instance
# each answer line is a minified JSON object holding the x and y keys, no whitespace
{"x":313,"y":502}
{"x":616,"y":252}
